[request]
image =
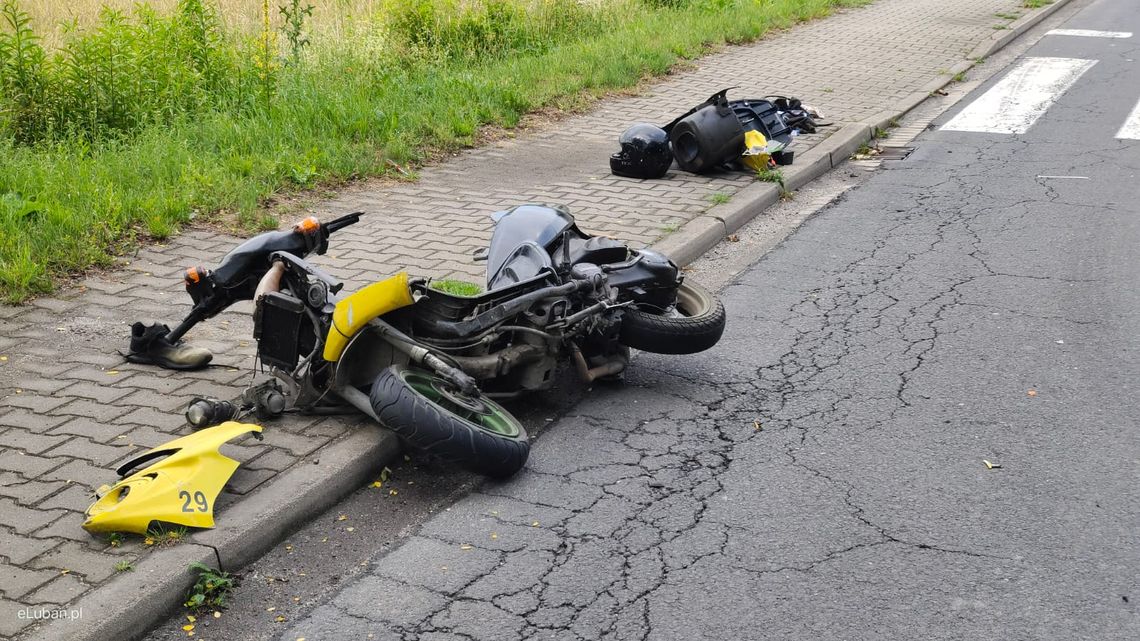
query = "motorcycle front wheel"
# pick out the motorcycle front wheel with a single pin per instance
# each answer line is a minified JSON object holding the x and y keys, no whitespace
{"x":694,"y":324}
{"x":431,"y":415}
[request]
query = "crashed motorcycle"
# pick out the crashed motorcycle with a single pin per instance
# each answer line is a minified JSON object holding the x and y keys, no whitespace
{"x":427,"y":363}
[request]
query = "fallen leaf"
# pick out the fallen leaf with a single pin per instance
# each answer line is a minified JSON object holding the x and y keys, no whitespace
{"x":534,"y":524}
{"x":217,"y":615}
{"x":393,"y":492}
{"x":190,"y":618}
{"x":991,"y":466}
{"x":377,"y":484}
{"x":279,"y":618}
{"x":1031,"y":392}
{"x":466,"y":546}
{"x":3,"y":359}
{"x":188,"y":627}
{"x":288,"y":547}
{"x":494,"y":536}
{"x":756,"y":426}
{"x":271,"y":609}
{"x":349,"y":529}
{"x":112,"y":372}
{"x":342,"y":517}
{"x":733,"y":238}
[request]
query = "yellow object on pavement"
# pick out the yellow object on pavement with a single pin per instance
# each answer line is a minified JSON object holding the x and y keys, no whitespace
{"x":180,"y":488}
{"x":758,"y":150}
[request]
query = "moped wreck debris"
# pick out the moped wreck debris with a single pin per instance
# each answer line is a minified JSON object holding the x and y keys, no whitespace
{"x":426,"y":363}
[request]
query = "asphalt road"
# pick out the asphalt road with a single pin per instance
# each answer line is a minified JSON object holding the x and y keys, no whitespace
{"x":821,"y":474}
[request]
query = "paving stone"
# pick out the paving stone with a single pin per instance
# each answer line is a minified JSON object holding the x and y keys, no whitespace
{"x":22,"y":519}
{"x":69,"y":526}
{"x":78,"y":471}
{"x":30,"y":420}
{"x":75,"y":497}
{"x":27,"y":465}
{"x":18,"y":549}
{"x":11,"y":621}
{"x":41,"y":384}
{"x":94,"y":391}
{"x":78,"y":559}
{"x":63,"y":589}
{"x":91,"y":409}
{"x":35,"y":402}
{"x":163,"y":402}
{"x":88,"y":450}
{"x":147,"y":437}
{"x":295,"y":443}
{"x":28,"y":441}
{"x":274,"y":459}
{"x":29,"y":493}
{"x":101,"y":432}
{"x":16,"y":581}
{"x":149,"y":416}
{"x":246,"y":480}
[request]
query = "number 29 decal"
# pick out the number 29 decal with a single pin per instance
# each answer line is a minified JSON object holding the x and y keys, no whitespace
{"x":199,"y":499}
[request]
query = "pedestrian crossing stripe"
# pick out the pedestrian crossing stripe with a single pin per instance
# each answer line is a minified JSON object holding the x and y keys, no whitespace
{"x":1089,"y":33}
{"x":1015,"y":103}
{"x":1131,"y":128}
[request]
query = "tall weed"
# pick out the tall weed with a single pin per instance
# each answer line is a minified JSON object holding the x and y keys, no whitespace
{"x":145,"y":120}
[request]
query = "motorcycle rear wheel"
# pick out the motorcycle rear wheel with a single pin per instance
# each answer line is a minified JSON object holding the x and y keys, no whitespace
{"x":694,"y":325}
{"x":433,"y":416}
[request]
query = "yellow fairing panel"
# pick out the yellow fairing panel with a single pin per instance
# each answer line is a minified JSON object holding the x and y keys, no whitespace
{"x":180,"y":488}
{"x":354,"y":312}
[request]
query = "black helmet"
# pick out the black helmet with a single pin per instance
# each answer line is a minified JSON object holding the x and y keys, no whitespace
{"x":644,"y":152}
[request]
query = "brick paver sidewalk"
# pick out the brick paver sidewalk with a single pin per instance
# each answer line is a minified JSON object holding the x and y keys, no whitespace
{"x":71,"y":408}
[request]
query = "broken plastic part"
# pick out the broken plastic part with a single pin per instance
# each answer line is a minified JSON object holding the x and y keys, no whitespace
{"x":180,"y":488}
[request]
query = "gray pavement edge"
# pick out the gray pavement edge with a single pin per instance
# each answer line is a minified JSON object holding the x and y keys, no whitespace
{"x":131,"y":604}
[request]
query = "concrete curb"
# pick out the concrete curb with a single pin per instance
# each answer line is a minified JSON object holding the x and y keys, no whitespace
{"x":130,"y":604}
{"x":126,"y":607}
{"x":702,"y":233}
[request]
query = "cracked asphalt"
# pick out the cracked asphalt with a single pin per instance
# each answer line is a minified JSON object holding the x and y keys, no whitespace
{"x":819,"y":474}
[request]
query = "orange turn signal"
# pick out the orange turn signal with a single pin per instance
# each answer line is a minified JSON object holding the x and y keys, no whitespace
{"x":307,"y":226}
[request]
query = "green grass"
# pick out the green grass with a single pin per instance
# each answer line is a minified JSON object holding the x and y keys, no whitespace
{"x":211,"y":126}
{"x":457,"y":287}
{"x":1035,"y":4}
{"x":719,"y":198}
{"x":771,"y":176}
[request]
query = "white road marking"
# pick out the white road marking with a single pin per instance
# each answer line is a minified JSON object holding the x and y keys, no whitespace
{"x":1016,"y":102}
{"x":1131,"y":128}
{"x":1089,"y":33}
